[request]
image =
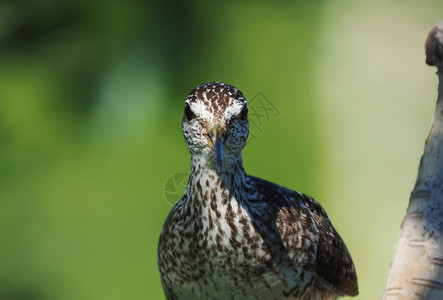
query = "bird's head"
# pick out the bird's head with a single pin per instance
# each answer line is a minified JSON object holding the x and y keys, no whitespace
{"x":215,"y":122}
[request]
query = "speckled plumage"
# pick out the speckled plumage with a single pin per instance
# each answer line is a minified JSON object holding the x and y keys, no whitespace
{"x":235,"y":236}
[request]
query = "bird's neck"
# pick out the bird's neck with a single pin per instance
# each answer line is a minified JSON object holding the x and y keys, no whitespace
{"x":233,"y":181}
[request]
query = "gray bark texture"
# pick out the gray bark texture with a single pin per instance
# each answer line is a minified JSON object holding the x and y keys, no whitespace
{"x":417,"y":268}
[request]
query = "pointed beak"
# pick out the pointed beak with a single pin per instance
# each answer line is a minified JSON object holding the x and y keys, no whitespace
{"x":215,"y":141}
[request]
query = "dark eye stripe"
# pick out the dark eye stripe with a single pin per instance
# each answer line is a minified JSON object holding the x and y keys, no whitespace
{"x":189,"y":114}
{"x":244,"y":113}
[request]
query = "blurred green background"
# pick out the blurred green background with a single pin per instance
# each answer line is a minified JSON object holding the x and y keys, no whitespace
{"x":91,"y":100}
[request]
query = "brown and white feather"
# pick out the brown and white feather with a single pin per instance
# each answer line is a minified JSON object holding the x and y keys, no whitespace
{"x":235,"y":236}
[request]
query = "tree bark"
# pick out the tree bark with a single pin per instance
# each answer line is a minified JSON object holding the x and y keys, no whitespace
{"x":417,"y":268}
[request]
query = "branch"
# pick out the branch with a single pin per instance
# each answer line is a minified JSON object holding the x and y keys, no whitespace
{"x":417,"y":268}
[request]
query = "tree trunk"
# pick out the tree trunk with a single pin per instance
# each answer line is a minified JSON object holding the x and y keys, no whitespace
{"x":417,"y":268}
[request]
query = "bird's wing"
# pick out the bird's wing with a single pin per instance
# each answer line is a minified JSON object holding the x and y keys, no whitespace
{"x":299,"y":214}
{"x":334,"y":263}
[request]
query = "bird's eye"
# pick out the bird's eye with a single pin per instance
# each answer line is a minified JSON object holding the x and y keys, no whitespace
{"x":189,"y":114}
{"x":244,"y":113}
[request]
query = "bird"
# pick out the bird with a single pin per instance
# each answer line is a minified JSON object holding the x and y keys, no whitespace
{"x":236,"y":236}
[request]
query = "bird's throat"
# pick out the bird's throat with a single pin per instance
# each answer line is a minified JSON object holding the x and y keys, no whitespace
{"x":205,"y":179}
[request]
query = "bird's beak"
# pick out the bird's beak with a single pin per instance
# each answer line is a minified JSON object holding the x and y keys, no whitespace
{"x":215,"y":141}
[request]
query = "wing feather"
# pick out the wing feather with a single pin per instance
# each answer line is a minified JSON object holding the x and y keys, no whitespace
{"x":298,"y":214}
{"x":334,"y":263}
